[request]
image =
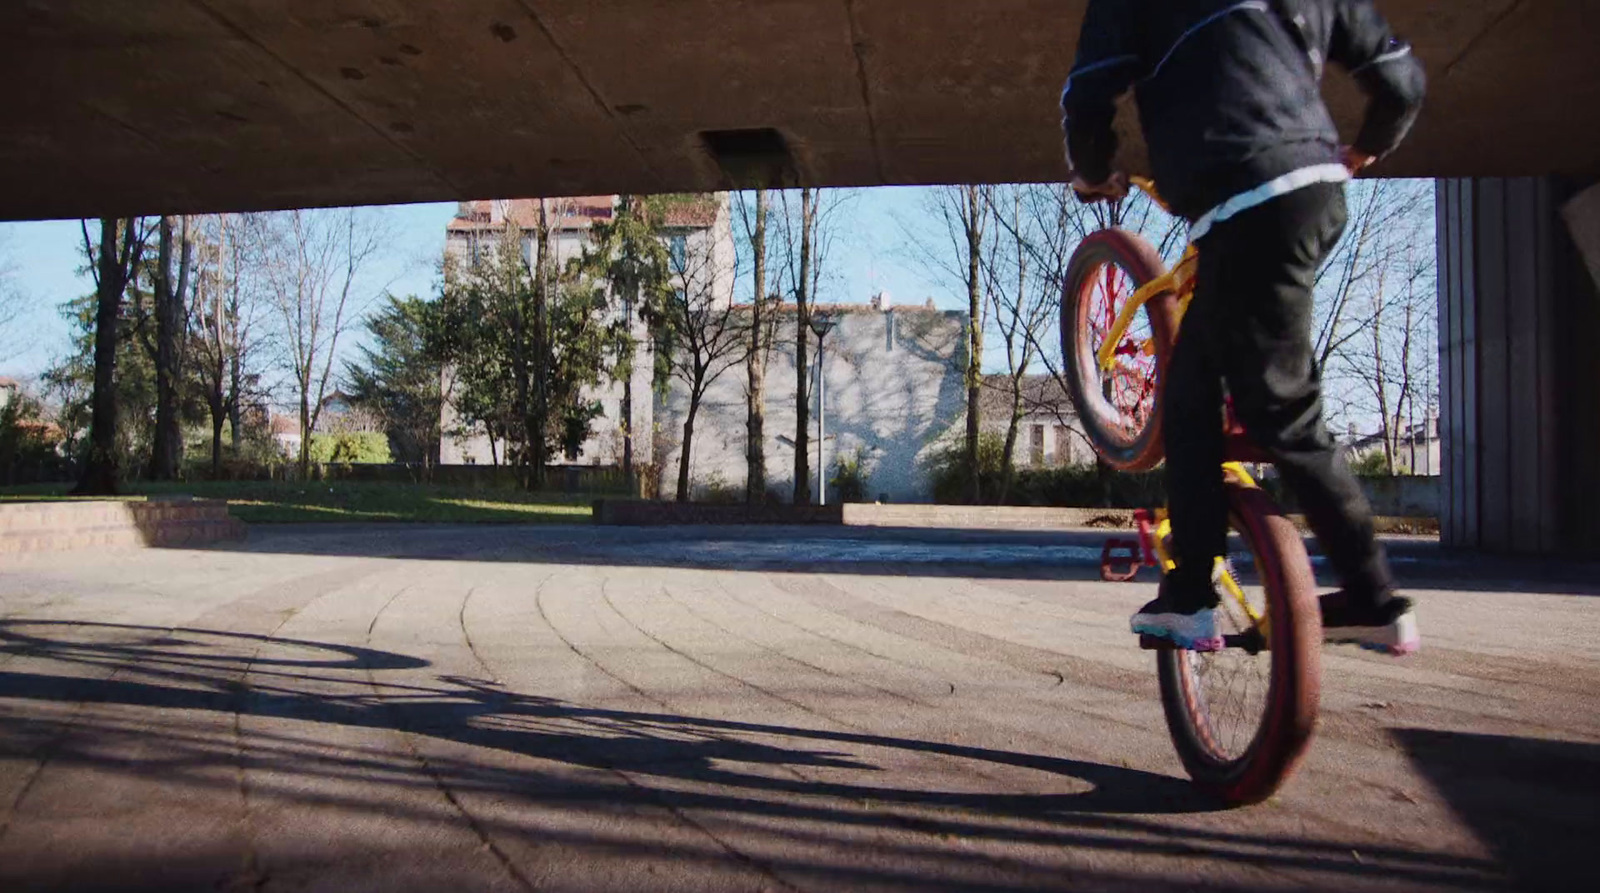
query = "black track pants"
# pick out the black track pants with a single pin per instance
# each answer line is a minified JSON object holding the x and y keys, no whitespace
{"x":1249,"y":328}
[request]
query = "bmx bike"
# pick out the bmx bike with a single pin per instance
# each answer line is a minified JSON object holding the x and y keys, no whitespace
{"x":1242,"y":717}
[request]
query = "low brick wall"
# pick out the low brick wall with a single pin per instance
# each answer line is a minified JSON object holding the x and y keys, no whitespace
{"x":646,"y":513}
{"x":110,"y":524}
{"x":983,"y":517}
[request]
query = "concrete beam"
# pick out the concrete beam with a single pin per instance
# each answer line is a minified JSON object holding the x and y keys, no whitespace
{"x":200,"y":105}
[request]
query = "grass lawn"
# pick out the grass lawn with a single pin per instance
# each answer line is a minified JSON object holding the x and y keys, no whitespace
{"x":275,"y":502}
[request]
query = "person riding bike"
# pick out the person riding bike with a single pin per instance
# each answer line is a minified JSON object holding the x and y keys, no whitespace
{"x":1245,"y":149}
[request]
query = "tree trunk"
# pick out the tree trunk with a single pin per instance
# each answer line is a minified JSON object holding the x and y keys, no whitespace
{"x":217,"y":419}
{"x":100,"y":469}
{"x":687,"y":448}
{"x":1008,"y":458}
{"x":1381,"y":382}
{"x":970,"y":196}
{"x":541,"y":353}
{"x":167,"y":449}
{"x":236,"y":406}
{"x":756,"y":366}
{"x":305,"y":430}
{"x":802,"y":398}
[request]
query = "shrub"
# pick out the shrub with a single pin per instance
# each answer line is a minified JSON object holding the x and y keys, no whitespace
{"x":363,"y":447}
{"x":1371,"y":465}
{"x":30,"y":449}
{"x":946,"y":464}
{"x":1085,"y":486}
{"x":849,"y":480}
{"x":715,"y":490}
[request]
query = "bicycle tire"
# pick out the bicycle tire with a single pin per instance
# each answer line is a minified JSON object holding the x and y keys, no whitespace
{"x":1295,"y":634}
{"x":1140,"y":449}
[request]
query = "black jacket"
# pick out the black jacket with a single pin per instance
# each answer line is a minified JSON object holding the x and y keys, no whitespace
{"x":1229,"y":92}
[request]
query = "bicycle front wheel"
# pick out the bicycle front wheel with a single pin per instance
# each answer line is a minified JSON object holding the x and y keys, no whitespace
{"x":1119,"y":407}
{"x":1241,"y":718}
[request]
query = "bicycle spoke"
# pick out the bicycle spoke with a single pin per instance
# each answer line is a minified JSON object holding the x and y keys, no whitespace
{"x":1232,"y":686}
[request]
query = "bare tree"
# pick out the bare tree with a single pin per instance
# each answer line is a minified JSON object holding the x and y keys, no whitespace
{"x":113,"y":264}
{"x":10,"y":300}
{"x":1049,"y":225}
{"x":1375,"y":319}
{"x":313,"y":264}
{"x":222,"y":313}
{"x":700,"y":334}
{"x":951,"y":248}
{"x":1020,"y":312}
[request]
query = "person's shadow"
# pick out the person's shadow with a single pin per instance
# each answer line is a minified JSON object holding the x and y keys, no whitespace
{"x":820,"y":777}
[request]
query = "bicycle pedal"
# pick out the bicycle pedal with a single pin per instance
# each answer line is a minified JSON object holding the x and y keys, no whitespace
{"x":1120,"y":561}
{"x":1156,"y":643}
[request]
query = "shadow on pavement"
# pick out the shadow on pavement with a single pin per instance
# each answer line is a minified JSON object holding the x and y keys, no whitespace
{"x":600,"y":768}
{"x":1535,"y":802}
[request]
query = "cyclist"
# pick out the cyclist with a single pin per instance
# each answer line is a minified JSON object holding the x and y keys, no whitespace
{"x":1244,"y":148}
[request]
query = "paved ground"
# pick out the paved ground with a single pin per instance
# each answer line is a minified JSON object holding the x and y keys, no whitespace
{"x":584,"y":709}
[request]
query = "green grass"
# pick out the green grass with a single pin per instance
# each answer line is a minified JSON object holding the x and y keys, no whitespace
{"x":274,"y":502}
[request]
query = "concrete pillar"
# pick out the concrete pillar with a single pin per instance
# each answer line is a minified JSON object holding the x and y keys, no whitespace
{"x":1519,"y":345}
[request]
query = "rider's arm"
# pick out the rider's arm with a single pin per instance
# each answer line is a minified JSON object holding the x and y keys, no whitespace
{"x":1386,"y":70}
{"x":1107,"y":65}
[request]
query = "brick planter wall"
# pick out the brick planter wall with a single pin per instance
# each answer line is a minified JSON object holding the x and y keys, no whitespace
{"x":64,"y":526}
{"x":643,"y":513}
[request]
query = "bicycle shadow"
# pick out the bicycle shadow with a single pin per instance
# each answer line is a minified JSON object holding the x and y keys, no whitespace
{"x":544,"y":753}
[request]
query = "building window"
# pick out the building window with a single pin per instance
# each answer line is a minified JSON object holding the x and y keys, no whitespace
{"x":1037,"y":451}
{"x":678,"y":248}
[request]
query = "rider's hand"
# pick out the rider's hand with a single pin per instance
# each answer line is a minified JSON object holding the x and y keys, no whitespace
{"x":1115,"y":188}
{"x":1355,"y":160}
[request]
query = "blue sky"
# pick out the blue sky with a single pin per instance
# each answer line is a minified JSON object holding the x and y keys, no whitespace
{"x":870,"y":254}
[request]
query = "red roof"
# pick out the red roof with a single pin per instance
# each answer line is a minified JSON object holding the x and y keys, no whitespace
{"x":578,"y":212}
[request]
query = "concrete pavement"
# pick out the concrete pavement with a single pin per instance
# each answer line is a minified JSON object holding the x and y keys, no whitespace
{"x":581,"y":709}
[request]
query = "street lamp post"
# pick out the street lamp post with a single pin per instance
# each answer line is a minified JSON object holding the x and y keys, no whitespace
{"x":821,"y":325}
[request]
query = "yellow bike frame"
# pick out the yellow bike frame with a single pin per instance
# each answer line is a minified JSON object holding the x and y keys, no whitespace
{"x":1230,"y":584}
{"x":1180,"y":282}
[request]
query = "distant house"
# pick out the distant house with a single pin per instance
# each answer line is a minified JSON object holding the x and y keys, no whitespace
{"x":341,"y":415}
{"x":9,"y":388}
{"x":894,"y":388}
{"x":285,"y":433}
{"x":1416,"y":452}
{"x":1050,"y":435}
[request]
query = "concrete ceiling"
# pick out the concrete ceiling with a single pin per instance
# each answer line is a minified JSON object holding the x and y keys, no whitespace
{"x":118,"y":107}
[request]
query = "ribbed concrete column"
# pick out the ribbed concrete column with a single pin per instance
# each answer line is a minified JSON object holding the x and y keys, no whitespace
{"x":1519,"y":344}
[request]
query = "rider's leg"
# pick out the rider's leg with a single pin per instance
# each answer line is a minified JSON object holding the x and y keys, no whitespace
{"x":1192,"y":431}
{"x":1184,"y":610}
{"x":1269,"y":258}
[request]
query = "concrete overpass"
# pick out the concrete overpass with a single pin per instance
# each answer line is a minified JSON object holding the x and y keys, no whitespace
{"x":203,"y":105}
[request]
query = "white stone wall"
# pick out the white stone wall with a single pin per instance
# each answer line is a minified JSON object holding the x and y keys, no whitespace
{"x":890,"y":397}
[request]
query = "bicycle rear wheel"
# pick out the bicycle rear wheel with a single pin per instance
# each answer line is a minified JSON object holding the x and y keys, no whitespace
{"x":1120,"y":407}
{"x":1241,"y":718}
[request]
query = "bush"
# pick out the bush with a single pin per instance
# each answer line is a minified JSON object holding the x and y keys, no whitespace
{"x":30,"y":449}
{"x":1371,"y":465}
{"x":1085,"y":486}
{"x":947,"y":467}
{"x":715,"y":490}
{"x":361,"y":448}
{"x":849,"y":481}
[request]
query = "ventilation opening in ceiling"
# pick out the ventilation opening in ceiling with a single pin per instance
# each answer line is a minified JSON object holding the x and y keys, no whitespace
{"x":752,"y":158}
